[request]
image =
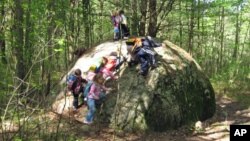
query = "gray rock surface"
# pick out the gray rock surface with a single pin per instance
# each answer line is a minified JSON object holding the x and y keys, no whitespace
{"x":177,"y":92}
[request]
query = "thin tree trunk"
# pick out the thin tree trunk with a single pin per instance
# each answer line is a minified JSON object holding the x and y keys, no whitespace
{"x":152,"y":27}
{"x":191,"y":29}
{"x":204,"y":48}
{"x":143,"y":9}
{"x":180,"y":23}
{"x":237,"y":38}
{"x":245,"y":39}
{"x":86,"y":12}
{"x":2,"y":35}
{"x":78,"y":25}
{"x":134,"y":25}
{"x":198,"y":29}
{"x":72,"y":36}
{"x":213,"y":64}
{"x":101,"y":20}
{"x":19,"y":44}
{"x":50,"y":30}
{"x":27,"y":45}
{"x":222,"y":37}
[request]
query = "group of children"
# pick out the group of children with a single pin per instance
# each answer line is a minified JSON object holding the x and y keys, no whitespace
{"x":93,"y":89}
{"x":119,"y":20}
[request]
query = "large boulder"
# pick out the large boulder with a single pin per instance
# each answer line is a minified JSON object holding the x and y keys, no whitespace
{"x":175,"y":93}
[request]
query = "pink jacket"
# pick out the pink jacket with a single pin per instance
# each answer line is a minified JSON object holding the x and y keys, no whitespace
{"x":95,"y":91}
{"x":107,"y":73}
{"x":90,"y":76}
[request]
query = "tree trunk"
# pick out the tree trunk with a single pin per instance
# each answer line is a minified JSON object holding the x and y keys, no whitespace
{"x":237,"y":37}
{"x":28,"y":49}
{"x":101,"y":20}
{"x":19,"y":45}
{"x":50,"y":29}
{"x":204,"y":48}
{"x":198,"y":53}
{"x":191,"y":29}
{"x":143,"y":9}
{"x":152,"y":27}
{"x":72,"y":20}
{"x":180,"y":23}
{"x":222,"y":36}
{"x":213,"y":64}
{"x":134,"y":25}
{"x":2,"y":35}
{"x":86,"y":9}
{"x":245,"y":39}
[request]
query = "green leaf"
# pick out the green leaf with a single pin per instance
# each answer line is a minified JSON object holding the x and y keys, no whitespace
{"x":60,"y":42}
{"x":58,"y":50}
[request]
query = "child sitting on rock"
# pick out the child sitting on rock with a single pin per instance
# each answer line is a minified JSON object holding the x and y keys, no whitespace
{"x":141,"y":51}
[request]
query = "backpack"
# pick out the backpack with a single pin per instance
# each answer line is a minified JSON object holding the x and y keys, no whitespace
{"x":71,"y":80}
{"x":97,"y":65}
{"x":87,"y":89}
{"x":86,"y":93}
{"x":72,"y":83}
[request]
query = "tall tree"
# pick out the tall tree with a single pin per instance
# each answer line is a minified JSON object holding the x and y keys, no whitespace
{"x":19,"y":44}
{"x":50,"y":30}
{"x":134,"y":25}
{"x":152,"y":27}
{"x":143,"y":9}
{"x":2,"y":34}
{"x":28,"y":41}
{"x":180,"y":24}
{"x":101,"y":19}
{"x":222,"y":35}
{"x":191,"y":28}
{"x":86,"y":12}
{"x":237,"y":33}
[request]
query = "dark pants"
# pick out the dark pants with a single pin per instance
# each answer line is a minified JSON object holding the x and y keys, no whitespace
{"x":151,"y":55}
{"x":146,"y":58}
{"x":149,"y":42}
{"x":119,"y":61}
{"x":125,"y":30}
{"x":75,"y":100}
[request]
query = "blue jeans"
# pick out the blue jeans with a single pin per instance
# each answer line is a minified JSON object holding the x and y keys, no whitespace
{"x":92,"y":109}
{"x":143,"y":58}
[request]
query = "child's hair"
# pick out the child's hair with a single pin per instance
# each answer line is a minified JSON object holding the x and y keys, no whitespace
{"x":104,"y":60}
{"x":115,"y":13}
{"x":78,"y":72}
{"x":113,"y":53}
{"x":121,"y":12}
{"x":98,"y":77}
{"x":92,"y":68}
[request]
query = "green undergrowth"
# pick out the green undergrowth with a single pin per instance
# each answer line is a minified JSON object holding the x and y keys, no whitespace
{"x":237,"y":90}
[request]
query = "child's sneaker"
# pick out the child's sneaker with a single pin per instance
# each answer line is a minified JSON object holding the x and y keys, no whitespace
{"x":87,"y":122}
{"x":74,"y":108}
